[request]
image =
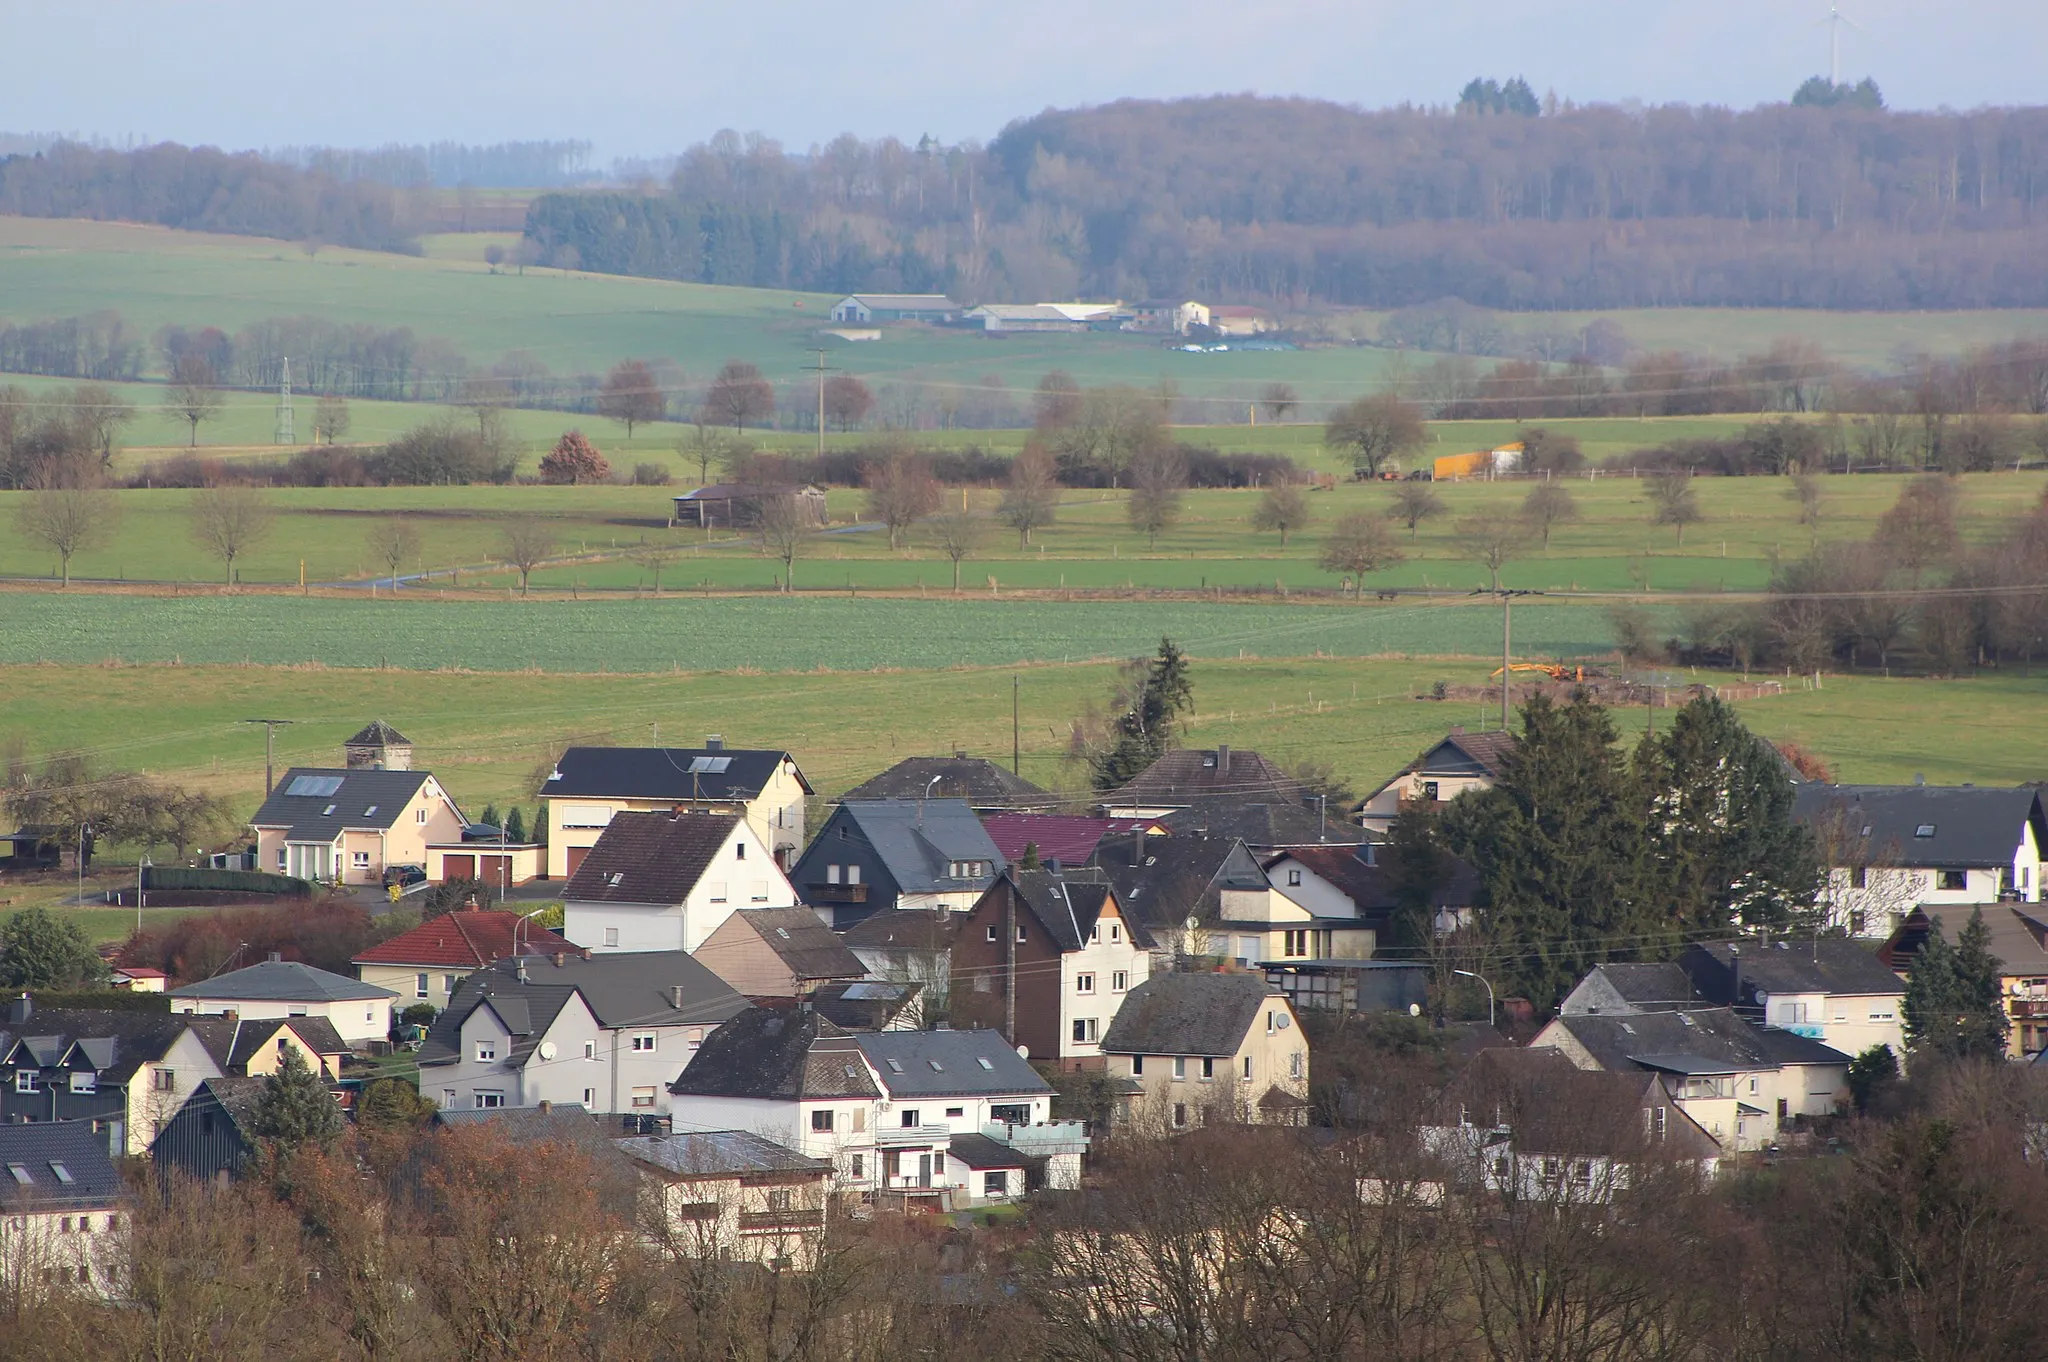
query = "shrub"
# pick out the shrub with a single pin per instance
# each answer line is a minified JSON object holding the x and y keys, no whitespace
{"x":574,"y":460}
{"x":651,"y":475}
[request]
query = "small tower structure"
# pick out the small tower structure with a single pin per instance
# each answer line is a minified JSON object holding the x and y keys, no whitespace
{"x":285,"y":433}
{"x":379,"y":747}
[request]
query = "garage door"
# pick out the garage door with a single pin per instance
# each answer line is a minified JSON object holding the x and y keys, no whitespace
{"x":576,"y":855}
{"x":458,"y":867}
{"x":495,"y":871}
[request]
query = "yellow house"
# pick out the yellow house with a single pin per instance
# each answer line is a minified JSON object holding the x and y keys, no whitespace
{"x":346,"y":826}
{"x":590,"y":784}
{"x":1196,"y":1049}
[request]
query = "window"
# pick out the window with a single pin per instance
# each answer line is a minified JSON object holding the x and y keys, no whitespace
{"x":1137,"y":1065}
{"x":448,"y":1097}
{"x":281,"y":858}
{"x":27,"y":1080}
{"x":1010,"y":1113}
{"x":1430,"y":788}
{"x":643,"y":1044}
{"x":448,"y":983}
{"x":361,"y":859}
{"x":1085,"y":1030}
{"x":419,"y":985}
{"x":1247,"y":1067}
{"x":486,"y":1051}
{"x":1954,"y":879}
{"x":1297,"y":946}
{"x":85,"y":1082}
{"x":1116,"y":931}
{"x":717,"y":889}
{"x":859,"y":1165}
{"x":590,"y":1099}
{"x":419,"y":815}
{"x":1294,"y":1064}
{"x":995,"y":1184}
{"x":860,"y":1120}
{"x":1084,"y":983}
{"x":1293,"y":879}
{"x":910,"y":1118}
{"x":1208,"y":1069}
{"x":1020,"y":931}
{"x":643,"y":1099}
{"x":1119,"y":981}
{"x":1095,"y":933}
{"x":590,"y":1049}
{"x":1924,"y":830}
{"x":487,"y":1099}
{"x":1180,"y":1067}
{"x":20,"y":1173}
{"x":1859,"y":878}
{"x":611,"y":936}
{"x":739,"y":851}
{"x":1272,"y":1022}
{"x":821,"y":1123}
{"x":1180,"y":1116}
{"x":779,"y":1199}
{"x":955,"y":1113}
{"x":853,"y":874}
{"x":166,"y":1080}
{"x":991,"y":933}
{"x":64,"y":1226}
{"x":831,"y":874}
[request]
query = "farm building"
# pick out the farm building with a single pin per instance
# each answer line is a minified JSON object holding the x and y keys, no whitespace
{"x":863,"y":309}
{"x":735,"y":504}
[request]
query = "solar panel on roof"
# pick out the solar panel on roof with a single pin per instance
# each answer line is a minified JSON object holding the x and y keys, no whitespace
{"x":869,"y":992}
{"x":313,"y":787}
{"x":712,"y":766}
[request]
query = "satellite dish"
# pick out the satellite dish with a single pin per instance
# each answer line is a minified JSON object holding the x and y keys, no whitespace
{"x":1284,"y":1022}
{"x":1024,"y":1052}
{"x":546,"y":1050}
{"x":1192,"y":924}
{"x":1415,"y":1009}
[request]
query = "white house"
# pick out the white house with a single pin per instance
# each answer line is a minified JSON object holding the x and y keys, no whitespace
{"x":732,"y":1195}
{"x":61,"y":1207}
{"x":360,"y":1012}
{"x":1826,"y":988}
{"x":667,"y":881}
{"x":865,"y":309}
{"x":1890,"y":848}
{"x":605,"y":1032}
{"x":1462,"y":761}
{"x":589,"y":784}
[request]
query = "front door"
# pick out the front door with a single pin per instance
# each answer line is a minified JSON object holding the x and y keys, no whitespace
{"x":924,"y":1170}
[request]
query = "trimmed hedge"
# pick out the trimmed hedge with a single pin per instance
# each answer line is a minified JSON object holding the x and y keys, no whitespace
{"x":234,"y":881}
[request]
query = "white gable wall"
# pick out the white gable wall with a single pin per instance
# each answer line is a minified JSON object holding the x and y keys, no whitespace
{"x":742,"y":875}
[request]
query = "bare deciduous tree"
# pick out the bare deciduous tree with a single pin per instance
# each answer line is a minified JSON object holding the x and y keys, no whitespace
{"x":631,"y":395}
{"x":192,"y":393}
{"x":1032,"y":500}
{"x":900,"y":492}
{"x":847,"y":401}
{"x":1159,"y":478}
{"x":1673,"y":501}
{"x":99,"y":413}
{"x":1282,"y":507}
{"x":656,"y":556}
{"x":230,"y":521}
{"x":525,"y":544}
{"x":1811,"y":494}
{"x":1279,"y":400}
{"x":1549,"y":504}
{"x":395,"y":542}
{"x":958,"y":534}
{"x":1491,"y":539}
{"x":1357,"y":544}
{"x":739,"y":394}
{"x":786,"y":524}
{"x":67,"y":520}
{"x":1373,"y":430}
{"x":1413,"y":503}
{"x":330,"y":418}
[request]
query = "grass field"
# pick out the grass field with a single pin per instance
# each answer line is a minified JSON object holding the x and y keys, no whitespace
{"x":1750,"y":522}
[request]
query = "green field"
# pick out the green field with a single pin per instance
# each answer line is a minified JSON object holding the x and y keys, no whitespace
{"x":1750,"y":523}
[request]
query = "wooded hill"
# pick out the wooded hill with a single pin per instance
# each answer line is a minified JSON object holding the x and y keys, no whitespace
{"x":1294,"y":201}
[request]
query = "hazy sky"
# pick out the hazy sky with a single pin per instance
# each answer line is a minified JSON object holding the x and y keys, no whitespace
{"x":650,"y":76}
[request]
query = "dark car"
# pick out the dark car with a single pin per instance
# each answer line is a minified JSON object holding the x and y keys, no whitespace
{"x":1422,"y":475}
{"x":400,"y":876}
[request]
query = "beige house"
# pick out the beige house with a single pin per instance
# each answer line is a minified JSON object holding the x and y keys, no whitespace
{"x":61,"y":1204}
{"x":348,"y":826}
{"x":1462,"y":761}
{"x":590,"y":784}
{"x":426,"y":964}
{"x":778,"y":953}
{"x":359,"y":1012}
{"x":1201,"y":1049}
{"x":731,"y":1195}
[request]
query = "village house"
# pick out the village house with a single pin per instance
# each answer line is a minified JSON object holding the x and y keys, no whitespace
{"x":1889,"y":849}
{"x":1048,"y":959}
{"x":778,"y":953}
{"x":911,"y":950}
{"x":1629,"y":987}
{"x":870,"y":1005}
{"x":1201,"y":1049}
{"x":1825,"y":988}
{"x":587,"y":785}
{"x":1263,"y":825}
{"x":213,"y":1136}
{"x":61,"y":1206}
{"x":123,"y":1071}
{"x":884,"y":855}
{"x":1462,"y":761}
{"x":1168,"y":318}
{"x":1187,"y":776}
{"x":1061,"y":841}
{"x":1338,"y":882}
{"x":606,"y":1032}
{"x":360,"y":1012}
{"x":2019,"y":942}
{"x":1227,"y":320}
{"x":348,"y":825}
{"x":871,"y":309}
{"x":1218,"y":884}
{"x":732,"y":1196}
{"x":424,"y":964}
{"x":667,"y":881}
{"x":977,"y":782}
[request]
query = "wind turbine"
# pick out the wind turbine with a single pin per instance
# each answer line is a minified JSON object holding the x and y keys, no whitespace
{"x":1834,"y":21}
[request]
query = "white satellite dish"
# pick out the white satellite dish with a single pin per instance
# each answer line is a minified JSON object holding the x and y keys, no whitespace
{"x":546,"y":1050}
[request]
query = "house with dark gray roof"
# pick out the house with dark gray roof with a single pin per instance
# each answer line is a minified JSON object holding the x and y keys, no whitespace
{"x":1826,"y":988}
{"x":122,"y":1071}
{"x":778,"y":953}
{"x":213,"y":1134}
{"x":1188,"y":776}
{"x":977,"y":782}
{"x":1623,"y":987}
{"x":732,"y":1195}
{"x":346,"y":826}
{"x":1047,"y":959}
{"x":1737,"y":1080}
{"x":1354,"y":881}
{"x":665,"y":881}
{"x":1195,"y":1049}
{"x":359,"y":1012}
{"x":587,"y":785}
{"x":61,"y":1201}
{"x":605,"y":1032}
{"x":1891,"y":848}
{"x":883,"y":855}
{"x":1265,"y":825}
{"x":2018,"y":940}
{"x":1218,"y":885}
{"x":1461,"y":761}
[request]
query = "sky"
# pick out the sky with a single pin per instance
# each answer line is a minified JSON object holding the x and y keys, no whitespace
{"x":649,"y":77}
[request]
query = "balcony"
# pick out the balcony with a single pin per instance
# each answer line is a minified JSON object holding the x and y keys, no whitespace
{"x":897,"y":1137}
{"x":836,"y":893}
{"x":2028,"y":1009}
{"x":1048,"y":1137}
{"x":763,"y":1222}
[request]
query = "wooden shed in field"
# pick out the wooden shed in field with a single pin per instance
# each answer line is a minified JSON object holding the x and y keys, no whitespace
{"x":733,"y":505}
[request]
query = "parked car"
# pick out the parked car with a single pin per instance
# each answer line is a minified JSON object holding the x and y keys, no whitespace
{"x":1422,"y":475}
{"x":399,"y":876}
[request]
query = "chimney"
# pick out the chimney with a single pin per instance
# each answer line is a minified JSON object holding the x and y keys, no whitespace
{"x":519,"y":967}
{"x":1735,"y":964}
{"x":21,"y":1009}
{"x":561,"y":959}
{"x":1137,"y":846}
{"x":1222,"y":760}
{"x":714,"y":742}
{"x":675,"y":996}
{"x":275,"y":958}
{"x":545,"y":1106}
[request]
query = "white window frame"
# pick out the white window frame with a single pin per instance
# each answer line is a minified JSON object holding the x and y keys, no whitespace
{"x":487,"y":1052}
{"x":1084,"y":983}
{"x":644,"y":1043}
{"x":1119,"y":980}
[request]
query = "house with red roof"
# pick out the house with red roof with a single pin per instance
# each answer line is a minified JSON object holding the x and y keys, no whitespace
{"x":425,"y":964}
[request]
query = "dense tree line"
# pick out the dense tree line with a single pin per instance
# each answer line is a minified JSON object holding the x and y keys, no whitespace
{"x":203,"y":189}
{"x":1296,"y":200}
{"x":501,"y":165}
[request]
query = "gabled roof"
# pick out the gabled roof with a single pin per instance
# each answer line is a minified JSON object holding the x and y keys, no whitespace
{"x":1369,"y":886}
{"x":317,"y":803}
{"x":949,"y":1064}
{"x":741,"y":491}
{"x":1187,"y":775}
{"x":770,"y":1054}
{"x":282,"y":981}
{"x":1956,"y":826}
{"x":114,"y":1042}
{"x":1264,"y":824}
{"x":622,"y":989}
{"x":863,"y":1004}
{"x":681,"y":774}
{"x":1701,"y":1040}
{"x":1465,"y":754}
{"x":905,"y":930}
{"x":55,"y":1165}
{"x":718,"y":1154}
{"x":919,"y":840}
{"x":315,"y":1033}
{"x":1067,"y":906}
{"x":977,"y":780}
{"x":1189,"y":1014}
{"x":1628,"y":987}
{"x":650,"y":858}
{"x":928,"y":301}
{"x":1174,"y":878}
{"x":377,"y":733}
{"x":1548,"y":1105}
{"x":1066,"y":838}
{"x":806,"y":945}
{"x":1826,"y":965}
{"x":2019,"y":934}
{"x":466,"y":938}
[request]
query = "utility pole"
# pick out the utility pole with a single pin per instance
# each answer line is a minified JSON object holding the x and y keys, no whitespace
{"x":270,"y":727}
{"x":1009,"y":964}
{"x":1506,"y":657}
{"x":284,"y":433}
{"x":1016,"y":740}
{"x":820,"y":352}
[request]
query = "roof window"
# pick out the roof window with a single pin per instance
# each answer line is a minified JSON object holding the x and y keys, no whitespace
{"x":614,"y":878}
{"x":370,"y":812}
{"x":782,"y":932}
{"x":63,"y":1173}
{"x":1924,"y":830}
{"x":982,"y":1060}
{"x":20,"y":1172}
{"x":709,"y":766}
{"x":937,"y":1067}
{"x":895,"y":1065}
{"x":327,"y":812}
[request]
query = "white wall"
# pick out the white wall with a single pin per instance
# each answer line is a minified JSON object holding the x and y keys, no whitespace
{"x":358,"y":1020}
{"x":150,"y":1106}
{"x":1102,"y":958}
{"x":591,"y":1066}
{"x":742,"y":875}
{"x":1310,"y":890}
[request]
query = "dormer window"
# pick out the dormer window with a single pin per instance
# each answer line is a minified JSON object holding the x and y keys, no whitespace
{"x":85,"y":1082}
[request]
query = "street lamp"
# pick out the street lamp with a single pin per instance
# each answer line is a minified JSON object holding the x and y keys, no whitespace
{"x":1489,"y":991}
{"x":140,"y":867}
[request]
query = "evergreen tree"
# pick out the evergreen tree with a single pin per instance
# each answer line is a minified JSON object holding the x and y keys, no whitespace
{"x":1721,"y":820}
{"x":1954,"y":1007}
{"x":1417,"y":869}
{"x":295,"y":1107}
{"x":1869,"y":1073}
{"x":1157,"y":696}
{"x":1982,"y":1028}
{"x":38,"y":949}
{"x":515,"y":825}
{"x":393,"y":1102}
{"x":489,"y":816}
{"x":1563,"y":854}
{"x":1029,"y":860}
